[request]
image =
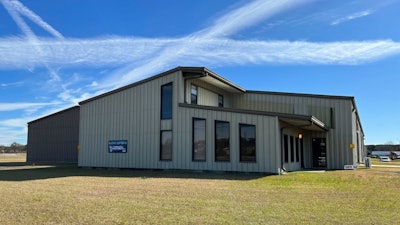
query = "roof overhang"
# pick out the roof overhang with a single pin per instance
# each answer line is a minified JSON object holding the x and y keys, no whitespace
{"x":304,"y":122}
{"x":212,"y":78}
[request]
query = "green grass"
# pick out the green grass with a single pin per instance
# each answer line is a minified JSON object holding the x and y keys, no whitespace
{"x":376,"y":161}
{"x":65,"y":194}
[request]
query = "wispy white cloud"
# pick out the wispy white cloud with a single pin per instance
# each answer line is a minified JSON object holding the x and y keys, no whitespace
{"x":16,"y":11}
{"x":74,"y":53}
{"x":228,"y":24}
{"x":15,"y":8}
{"x":17,"y":52}
{"x":247,"y":15}
{"x":13,"y":84}
{"x":23,"y":105}
{"x":352,"y":17}
{"x":128,"y":59}
{"x":12,"y":134}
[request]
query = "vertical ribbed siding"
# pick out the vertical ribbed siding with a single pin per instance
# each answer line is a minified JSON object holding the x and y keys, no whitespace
{"x":54,"y":138}
{"x":267,"y":148}
{"x":133,"y":115}
{"x":338,"y":138}
{"x":207,"y":94}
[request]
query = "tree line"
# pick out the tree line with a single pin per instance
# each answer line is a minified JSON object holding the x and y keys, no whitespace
{"x":13,"y":148}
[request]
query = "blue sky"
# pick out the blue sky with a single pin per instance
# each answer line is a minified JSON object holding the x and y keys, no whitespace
{"x":54,"y":54}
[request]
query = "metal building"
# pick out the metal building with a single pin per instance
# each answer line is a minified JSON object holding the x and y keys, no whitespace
{"x":54,"y":138}
{"x":191,"y":118}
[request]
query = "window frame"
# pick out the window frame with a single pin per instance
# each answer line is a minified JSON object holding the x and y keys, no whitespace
{"x":297,"y":149}
{"x":286,"y":148}
{"x":203,"y":159}
{"x":227,"y":157}
{"x":241,"y":125}
{"x":220,"y":100}
{"x":292,"y":149}
{"x":163,"y":114}
{"x":161,"y":145}
{"x":194,"y":97}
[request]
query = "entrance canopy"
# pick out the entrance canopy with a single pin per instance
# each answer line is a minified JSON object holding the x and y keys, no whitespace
{"x":304,"y":122}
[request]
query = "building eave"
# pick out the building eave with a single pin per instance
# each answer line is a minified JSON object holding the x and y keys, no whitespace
{"x":304,"y":121}
{"x":53,"y":114}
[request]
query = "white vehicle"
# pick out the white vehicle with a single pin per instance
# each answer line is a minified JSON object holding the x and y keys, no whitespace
{"x":385,"y":159}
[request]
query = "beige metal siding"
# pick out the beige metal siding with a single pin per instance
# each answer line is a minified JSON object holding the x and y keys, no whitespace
{"x":338,"y":139}
{"x":133,"y":115}
{"x":267,"y":141}
{"x":208,"y":94}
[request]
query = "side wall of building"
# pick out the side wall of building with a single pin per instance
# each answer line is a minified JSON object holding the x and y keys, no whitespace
{"x":336,"y":113}
{"x":54,"y":138}
{"x":267,"y":141}
{"x":133,"y":115}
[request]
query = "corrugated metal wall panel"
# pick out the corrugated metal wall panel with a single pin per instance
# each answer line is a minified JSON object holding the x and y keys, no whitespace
{"x":266,"y":147}
{"x":207,"y":94}
{"x":54,"y":138}
{"x":133,"y":115}
{"x":338,"y":139}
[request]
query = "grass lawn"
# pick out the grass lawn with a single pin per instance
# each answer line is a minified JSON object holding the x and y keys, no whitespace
{"x":12,"y":158}
{"x":377,"y":161}
{"x":65,"y":194}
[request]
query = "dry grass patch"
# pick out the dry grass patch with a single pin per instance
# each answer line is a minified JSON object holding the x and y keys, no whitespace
{"x":12,"y":157}
{"x":68,"y":195}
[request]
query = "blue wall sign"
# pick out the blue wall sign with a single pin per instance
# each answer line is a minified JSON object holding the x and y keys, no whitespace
{"x":118,"y":146}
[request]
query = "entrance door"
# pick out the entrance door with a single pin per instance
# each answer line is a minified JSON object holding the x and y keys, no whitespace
{"x":319,"y":152}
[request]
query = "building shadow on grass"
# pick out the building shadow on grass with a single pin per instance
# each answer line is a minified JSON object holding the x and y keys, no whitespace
{"x":23,"y":172}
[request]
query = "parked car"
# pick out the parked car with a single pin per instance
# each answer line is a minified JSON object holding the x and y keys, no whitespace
{"x":385,"y":159}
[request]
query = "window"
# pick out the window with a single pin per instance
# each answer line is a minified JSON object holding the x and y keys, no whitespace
{"x":166,"y":145}
{"x":220,"y":101}
{"x":297,"y":149}
{"x":286,"y":147}
{"x":193,"y":94}
{"x":247,"y":142}
{"x":199,"y":139}
{"x":166,"y":101}
{"x":332,"y":118}
{"x":292,"y":148}
{"x":222,"y":148}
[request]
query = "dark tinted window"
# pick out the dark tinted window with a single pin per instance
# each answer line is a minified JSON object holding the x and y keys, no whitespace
{"x":222,"y":147}
{"x":199,"y":139}
{"x":292,"y":148}
{"x":286,"y":147}
{"x":220,"y":101}
{"x":166,"y":101}
{"x":193,"y":94}
{"x":247,"y":142}
{"x":166,"y":145}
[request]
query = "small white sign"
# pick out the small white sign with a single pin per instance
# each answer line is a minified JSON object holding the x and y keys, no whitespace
{"x":350,"y":167}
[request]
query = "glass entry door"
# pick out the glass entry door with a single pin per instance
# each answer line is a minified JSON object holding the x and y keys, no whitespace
{"x":319,"y":152}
